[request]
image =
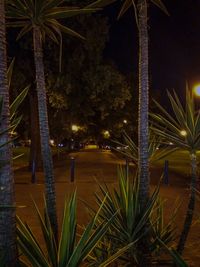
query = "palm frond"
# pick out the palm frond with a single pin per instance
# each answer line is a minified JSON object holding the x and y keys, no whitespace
{"x":160,"y":5}
{"x":52,"y":3}
{"x":62,"y":12}
{"x":100,"y":3}
{"x":69,"y":31}
{"x":28,"y":27}
{"x":126,"y":5}
{"x":44,"y":15}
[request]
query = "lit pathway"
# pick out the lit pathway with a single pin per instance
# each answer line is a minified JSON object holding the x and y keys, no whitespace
{"x":90,"y":164}
{"x":101,"y":165}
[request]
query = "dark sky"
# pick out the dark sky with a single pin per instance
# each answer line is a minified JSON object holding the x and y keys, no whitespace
{"x":174,"y":43}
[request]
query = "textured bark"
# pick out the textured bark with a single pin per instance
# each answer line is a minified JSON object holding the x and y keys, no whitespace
{"x":35,"y":160}
{"x":143,"y":124}
{"x":44,"y":130}
{"x":7,"y":216}
{"x":191,"y":205}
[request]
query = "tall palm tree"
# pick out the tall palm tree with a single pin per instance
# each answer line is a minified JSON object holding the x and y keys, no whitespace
{"x":183,"y":130}
{"x":140,"y":9}
{"x":7,"y":218}
{"x":41,"y":18}
{"x":7,"y":198}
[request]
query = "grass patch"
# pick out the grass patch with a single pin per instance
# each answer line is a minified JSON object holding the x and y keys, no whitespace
{"x":179,"y":162}
{"x":23,"y":160}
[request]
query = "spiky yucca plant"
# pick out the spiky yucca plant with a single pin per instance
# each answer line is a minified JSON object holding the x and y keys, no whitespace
{"x":183,"y":129}
{"x":155,"y":151}
{"x":129,"y":225}
{"x":73,"y":249}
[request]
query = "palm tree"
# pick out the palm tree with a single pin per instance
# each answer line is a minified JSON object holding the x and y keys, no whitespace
{"x":183,"y":130}
{"x":8,"y":250}
{"x":7,"y":197}
{"x":41,"y":17}
{"x":140,"y":8}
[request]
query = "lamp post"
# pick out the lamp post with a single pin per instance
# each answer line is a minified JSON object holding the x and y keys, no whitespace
{"x":75,"y":128}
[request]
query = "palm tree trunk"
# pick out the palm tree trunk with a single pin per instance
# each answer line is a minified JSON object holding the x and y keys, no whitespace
{"x":191,"y":205}
{"x":7,"y":215}
{"x":44,"y":130}
{"x":143,"y":124}
{"x":35,"y":159}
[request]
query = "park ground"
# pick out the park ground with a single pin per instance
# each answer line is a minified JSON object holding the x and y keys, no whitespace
{"x":94,"y":165}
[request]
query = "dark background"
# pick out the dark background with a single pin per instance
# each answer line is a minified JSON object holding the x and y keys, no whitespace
{"x":174,"y":44}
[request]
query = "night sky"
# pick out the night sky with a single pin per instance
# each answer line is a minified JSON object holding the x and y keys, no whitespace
{"x":174,"y":44}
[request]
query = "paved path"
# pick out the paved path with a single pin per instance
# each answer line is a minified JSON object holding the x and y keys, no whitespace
{"x":89,"y":165}
{"x":102,"y":165}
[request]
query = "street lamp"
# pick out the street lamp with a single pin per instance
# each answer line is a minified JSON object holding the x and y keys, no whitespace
{"x":106,"y":134}
{"x":75,"y":128}
{"x":197,"y":90}
{"x":183,"y":133}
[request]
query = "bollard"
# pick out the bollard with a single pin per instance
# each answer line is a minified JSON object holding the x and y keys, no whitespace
{"x":72,"y":167}
{"x":166,"y":172}
{"x":33,"y":177}
{"x":127,"y":168}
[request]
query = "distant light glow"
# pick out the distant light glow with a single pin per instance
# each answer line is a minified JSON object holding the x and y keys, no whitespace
{"x":60,"y":145}
{"x":106,"y":134}
{"x":75,"y":128}
{"x":171,"y":143}
{"x":183,"y":132}
{"x":13,"y":133}
{"x":125,"y":121}
{"x":52,"y":142}
{"x":197,"y":90}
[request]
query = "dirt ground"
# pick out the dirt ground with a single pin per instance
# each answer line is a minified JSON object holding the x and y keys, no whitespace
{"x":85,"y":190}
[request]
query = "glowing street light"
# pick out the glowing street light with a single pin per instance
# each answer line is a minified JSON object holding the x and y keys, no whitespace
{"x":75,"y":128}
{"x":197,"y":90}
{"x":183,"y":133}
{"x":106,"y":134}
{"x":52,"y":142}
{"x":125,"y":121}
